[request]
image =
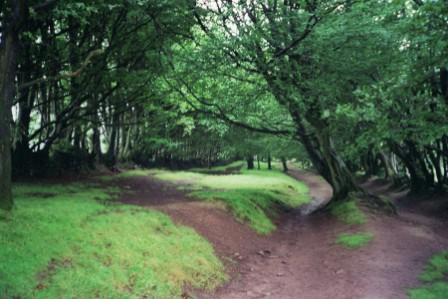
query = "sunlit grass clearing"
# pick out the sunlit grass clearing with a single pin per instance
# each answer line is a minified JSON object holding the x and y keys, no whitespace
{"x":252,"y":195}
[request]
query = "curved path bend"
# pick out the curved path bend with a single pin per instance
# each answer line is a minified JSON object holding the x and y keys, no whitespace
{"x":300,"y":260}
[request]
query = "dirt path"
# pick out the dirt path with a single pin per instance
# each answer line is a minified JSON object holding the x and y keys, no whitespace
{"x":300,"y":260}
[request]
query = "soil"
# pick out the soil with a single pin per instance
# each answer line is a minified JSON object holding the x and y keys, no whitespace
{"x":300,"y":260}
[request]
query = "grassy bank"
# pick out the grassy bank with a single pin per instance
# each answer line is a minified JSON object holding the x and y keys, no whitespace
{"x":73,"y":242}
{"x":251,"y":195}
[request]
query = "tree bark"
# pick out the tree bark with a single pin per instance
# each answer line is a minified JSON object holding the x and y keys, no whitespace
{"x":328,"y":163}
{"x":8,"y":68}
{"x":269,"y":161}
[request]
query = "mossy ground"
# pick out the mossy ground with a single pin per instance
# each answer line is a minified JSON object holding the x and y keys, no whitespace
{"x":435,"y":279}
{"x":74,"y":242}
{"x":251,"y":195}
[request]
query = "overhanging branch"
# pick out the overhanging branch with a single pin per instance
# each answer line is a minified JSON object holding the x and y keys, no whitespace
{"x":65,"y":75}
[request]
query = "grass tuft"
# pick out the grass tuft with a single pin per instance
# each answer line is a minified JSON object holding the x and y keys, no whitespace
{"x":348,"y":212}
{"x":354,"y":241}
{"x":72,"y":245}
{"x":435,"y":278}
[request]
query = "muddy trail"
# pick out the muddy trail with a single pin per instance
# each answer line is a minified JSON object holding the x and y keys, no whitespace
{"x":300,"y":260}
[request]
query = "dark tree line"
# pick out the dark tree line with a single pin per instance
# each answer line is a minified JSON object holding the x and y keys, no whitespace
{"x":75,"y":77}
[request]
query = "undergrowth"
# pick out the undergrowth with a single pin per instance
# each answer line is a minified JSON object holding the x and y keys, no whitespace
{"x":252,"y":195}
{"x":73,"y":242}
{"x":435,"y":279}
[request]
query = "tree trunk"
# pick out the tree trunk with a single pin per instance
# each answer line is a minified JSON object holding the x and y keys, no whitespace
{"x":389,"y":172}
{"x":22,"y":153}
{"x":320,"y":149}
{"x":209,"y":159}
{"x":285,"y":165}
{"x":8,"y":67}
{"x":258,"y":162}
{"x":444,"y":83}
{"x":418,"y":182}
{"x":269,"y":161}
{"x":328,"y":163}
{"x":250,"y":162}
{"x":96,"y":145}
{"x":21,"y":156}
{"x":112,"y":150}
{"x":436,"y":166}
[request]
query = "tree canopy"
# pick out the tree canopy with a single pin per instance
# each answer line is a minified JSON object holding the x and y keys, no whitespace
{"x":348,"y":86}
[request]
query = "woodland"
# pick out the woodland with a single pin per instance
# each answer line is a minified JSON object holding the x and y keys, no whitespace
{"x":346,"y":89}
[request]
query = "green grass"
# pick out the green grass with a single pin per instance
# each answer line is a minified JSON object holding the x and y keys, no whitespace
{"x":251,"y":195}
{"x":354,"y":241}
{"x":247,"y":205}
{"x":73,"y":242}
{"x":437,"y":268}
{"x":348,"y":212}
{"x":435,"y":277}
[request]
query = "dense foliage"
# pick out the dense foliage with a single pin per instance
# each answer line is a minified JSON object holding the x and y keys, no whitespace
{"x":350,"y":86}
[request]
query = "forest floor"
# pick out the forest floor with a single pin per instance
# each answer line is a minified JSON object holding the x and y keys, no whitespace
{"x":301,"y":259}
